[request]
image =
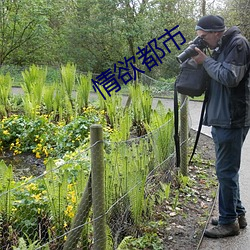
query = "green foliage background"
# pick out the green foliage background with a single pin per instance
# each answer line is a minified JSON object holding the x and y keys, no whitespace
{"x":95,"y":34}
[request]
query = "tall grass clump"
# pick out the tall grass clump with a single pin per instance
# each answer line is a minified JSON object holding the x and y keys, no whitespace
{"x":5,"y":90}
{"x":141,"y":106}
{"x":6,"y":184}
{"x":83,"y":91}
{"x":48,"y":98}
{"x":127,"y":167}
{"x":34,"y":80}
{"x":68,"y":74}
{"x":161,"y":130}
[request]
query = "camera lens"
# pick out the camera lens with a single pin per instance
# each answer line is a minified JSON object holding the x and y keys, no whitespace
{"x":187,"y":53}
{"x":190,"y":51}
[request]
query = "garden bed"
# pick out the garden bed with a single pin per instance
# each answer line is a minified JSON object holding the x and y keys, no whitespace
{"x":178,"y":222}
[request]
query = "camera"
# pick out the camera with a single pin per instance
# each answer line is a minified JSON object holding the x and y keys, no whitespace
{"x":190,"y":51}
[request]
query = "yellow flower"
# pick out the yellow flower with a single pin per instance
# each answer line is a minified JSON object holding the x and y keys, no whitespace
{"x":6,"y":132}
{"x":69,"y":211}
{"x":31,"y":187}
{"x":37,"y":196}
{"x":73,"y":199}
{"x":26,"y":178}
{"x":45,"y":151}
{"x":17,"y":152}
{"x":14,"y":209}
{"x":38,"y":155}
{"x":103,"y":112}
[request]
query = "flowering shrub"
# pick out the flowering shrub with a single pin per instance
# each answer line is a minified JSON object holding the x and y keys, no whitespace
{"x":43,"y":208}
{"x":44,"y":137}
{"x":30,"y":204}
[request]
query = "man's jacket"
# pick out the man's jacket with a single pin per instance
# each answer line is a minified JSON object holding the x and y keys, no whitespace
{"x":228,"y":103}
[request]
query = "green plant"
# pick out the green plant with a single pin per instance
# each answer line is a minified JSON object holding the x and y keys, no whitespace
{"x":164,"y":191}
{"x":83,"y":91}
{"x":141,"y":104}
{"x":68,"y":74}
{"x":146,"y":102}
{"x":14,"y":71}
{"x":23,"y":134}
{"x":147,"y":241}
{"x":53,"y":75}
{"x":6,"y":204}
{"x":44,"y":137}
{"x":59,"y":102}
{"x":65,"y":181}
{"x":34,"y":81}
{"x":6,"y":196}
{"x":126,"y":172}
{"x":184,"y":181}
{"x":5,"y":90}
{"x":48,"y":98}
{"x":62,"y":104}
{"x":121,"y":131}
{"x":176,"y":199}
{"x":114,"y":110}
{"x":127,"y":160}
{"x":161,"y":126}
{"x":30,"y":207}
{"x":43,"y":207}
{"x":56,"y":187}
{"x":28,"y":245}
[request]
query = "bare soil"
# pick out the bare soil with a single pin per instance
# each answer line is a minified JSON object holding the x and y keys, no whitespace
{"x":187,"y":222}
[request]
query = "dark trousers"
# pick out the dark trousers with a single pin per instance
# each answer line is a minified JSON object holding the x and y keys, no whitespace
{"x":228,"y":145}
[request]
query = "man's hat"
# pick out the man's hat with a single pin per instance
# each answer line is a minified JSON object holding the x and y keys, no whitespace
{"x":211,"y":23}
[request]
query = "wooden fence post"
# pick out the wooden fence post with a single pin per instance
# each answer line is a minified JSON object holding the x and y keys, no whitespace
{"x":98,"y":195}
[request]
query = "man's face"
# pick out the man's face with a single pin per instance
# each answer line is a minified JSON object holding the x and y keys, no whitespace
{"x":211,"y":38}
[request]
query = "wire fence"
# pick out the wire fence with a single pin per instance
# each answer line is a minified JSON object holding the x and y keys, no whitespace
{"x":57,"y":209}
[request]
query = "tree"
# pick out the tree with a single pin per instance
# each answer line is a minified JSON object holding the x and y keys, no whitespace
{"x":237,"y":13}
{"x":105,"y":31}
{"x":95,"y":34}
{"x":20,"y":22}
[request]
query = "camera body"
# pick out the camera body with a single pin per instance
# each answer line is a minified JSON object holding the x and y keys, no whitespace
{"x":190,"y":51}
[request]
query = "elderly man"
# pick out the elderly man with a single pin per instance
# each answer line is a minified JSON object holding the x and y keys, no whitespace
{"x":228,"y":112}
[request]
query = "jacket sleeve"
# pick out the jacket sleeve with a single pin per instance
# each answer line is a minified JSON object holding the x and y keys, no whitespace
{"x":234,"y":66}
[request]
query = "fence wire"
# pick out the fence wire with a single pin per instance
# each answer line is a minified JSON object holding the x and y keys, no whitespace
{"x":44,"y":210}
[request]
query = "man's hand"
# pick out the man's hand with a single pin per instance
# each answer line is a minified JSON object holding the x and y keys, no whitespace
{"x":200,"y":58}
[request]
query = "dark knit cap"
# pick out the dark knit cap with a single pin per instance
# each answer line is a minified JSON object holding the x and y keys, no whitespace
{"x":211,"y":23}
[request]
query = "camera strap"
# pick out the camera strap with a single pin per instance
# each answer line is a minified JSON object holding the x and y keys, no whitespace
{"x":176,"y":127}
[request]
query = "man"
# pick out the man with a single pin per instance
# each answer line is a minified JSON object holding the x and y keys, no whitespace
{"x":228,"y":112}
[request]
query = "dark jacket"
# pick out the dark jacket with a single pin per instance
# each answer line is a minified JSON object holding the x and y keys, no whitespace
{"x":228,"y":103}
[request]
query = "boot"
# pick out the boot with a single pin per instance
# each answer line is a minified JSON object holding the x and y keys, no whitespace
{"x":221,"y":231}
{"x":241,"y":219}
